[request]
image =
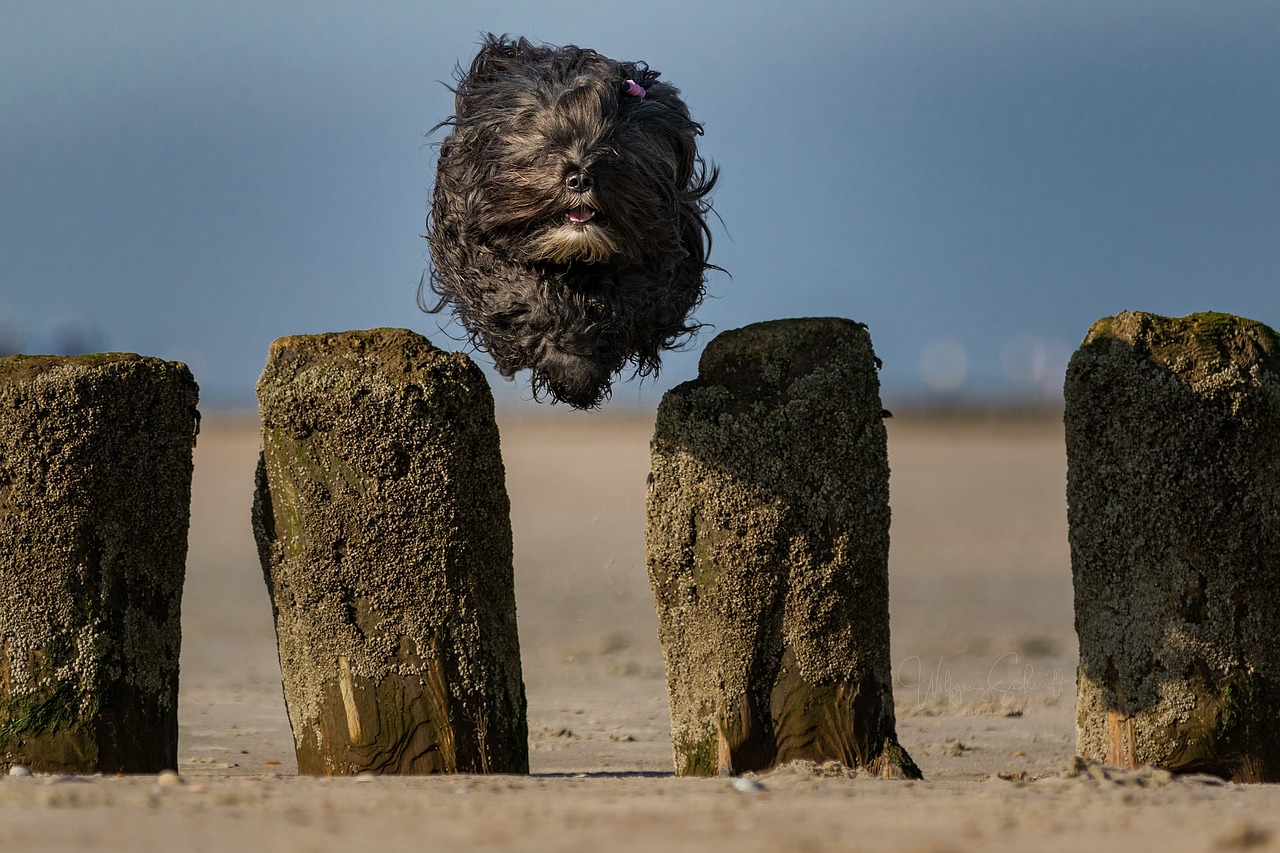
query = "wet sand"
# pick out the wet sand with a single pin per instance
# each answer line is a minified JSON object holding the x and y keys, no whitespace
{"x":983,"y":649}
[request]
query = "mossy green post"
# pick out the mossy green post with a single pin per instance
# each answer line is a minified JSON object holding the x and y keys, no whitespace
{"x":383,"y":525}
{"x":95,"y":500}
{"x":1173,"y":493}
{"x":768,"y":547}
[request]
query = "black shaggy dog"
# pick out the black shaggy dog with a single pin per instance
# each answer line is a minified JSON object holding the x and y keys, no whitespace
{"x":568,"y":223}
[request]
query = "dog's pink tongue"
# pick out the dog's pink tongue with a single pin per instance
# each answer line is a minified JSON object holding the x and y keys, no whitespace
{"x":580,"y":215}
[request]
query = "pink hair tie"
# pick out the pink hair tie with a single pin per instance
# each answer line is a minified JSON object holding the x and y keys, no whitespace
{"x":634,"y":89}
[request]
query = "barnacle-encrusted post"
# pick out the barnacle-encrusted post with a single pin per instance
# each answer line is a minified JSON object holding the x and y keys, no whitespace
{"x":1173,"y":494}
{"x":768,"y":547}
{"x":95,"y":499}
{"x":383,"y":525}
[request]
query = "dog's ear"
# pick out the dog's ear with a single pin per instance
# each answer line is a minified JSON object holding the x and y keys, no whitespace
{"x":662,"y":114}
{"x":497,"y":59}
{"x":493,"y":60}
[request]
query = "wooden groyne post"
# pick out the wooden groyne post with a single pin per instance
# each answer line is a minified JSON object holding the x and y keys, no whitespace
{"x":1173,"y":490}
{"x":383,"y":525}
{"x":95,"y":501}
{"x":767,"y":547}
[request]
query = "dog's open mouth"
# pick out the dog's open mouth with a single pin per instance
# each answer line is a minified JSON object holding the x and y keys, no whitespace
{"x":581,"y":236}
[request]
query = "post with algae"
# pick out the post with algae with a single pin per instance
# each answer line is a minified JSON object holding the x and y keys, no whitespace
{"x":95,"y":498}
{"x":768,"y":546}
{"x":1173,"y":489}
{"x":383,"y":526}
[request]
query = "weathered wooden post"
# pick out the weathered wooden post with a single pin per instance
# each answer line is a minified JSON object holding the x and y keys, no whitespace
{"x":1173,"y":489}
{"x":768,"y":547}
{"x":383,"y":524}
{"x":95,"y":500}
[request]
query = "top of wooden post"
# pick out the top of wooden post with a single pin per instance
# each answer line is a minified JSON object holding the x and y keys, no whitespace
{"x":777,"y":350}
{"x":1192,"y":347}
{"x":21,"y":369}
{"x":387,"y":351}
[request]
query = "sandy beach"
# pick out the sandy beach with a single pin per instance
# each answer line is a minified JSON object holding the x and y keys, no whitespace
{"x":983,"y":648}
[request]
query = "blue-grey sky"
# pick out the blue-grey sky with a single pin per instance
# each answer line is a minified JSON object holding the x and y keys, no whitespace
{"x":978,"y":181}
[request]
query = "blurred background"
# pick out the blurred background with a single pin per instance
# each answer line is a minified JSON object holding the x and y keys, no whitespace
{"x":977,"y":181}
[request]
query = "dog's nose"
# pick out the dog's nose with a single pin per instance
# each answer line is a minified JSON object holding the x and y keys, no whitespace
{"x":579,"y":182}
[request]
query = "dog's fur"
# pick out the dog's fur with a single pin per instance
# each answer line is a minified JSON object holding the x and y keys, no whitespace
{"x":568,"y":224}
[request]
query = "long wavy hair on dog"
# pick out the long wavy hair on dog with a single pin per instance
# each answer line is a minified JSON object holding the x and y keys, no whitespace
{"x":568,"y":221}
